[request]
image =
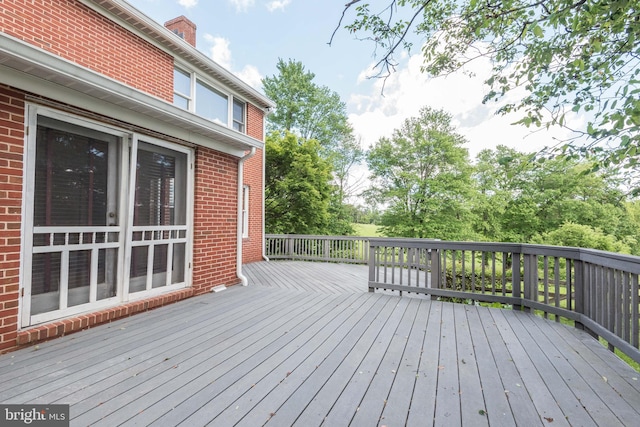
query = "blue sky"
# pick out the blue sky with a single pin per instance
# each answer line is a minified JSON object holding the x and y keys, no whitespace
{"x":248,"y":37}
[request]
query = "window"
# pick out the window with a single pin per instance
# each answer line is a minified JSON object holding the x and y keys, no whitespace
{"x":245,"y":211}
{"x":181,"y":88}
{"x":238,"y":115}
{"x":211,"y":104}
{"x":195,"y":95}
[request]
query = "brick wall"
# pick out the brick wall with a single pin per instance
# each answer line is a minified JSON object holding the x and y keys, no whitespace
{"x":252,"y":245}
{"x":11,"y":166}
{"x":69,"y":29}
{"x":73,"y":31}
{"x":255,"y":120}
{"x":215,"y":218}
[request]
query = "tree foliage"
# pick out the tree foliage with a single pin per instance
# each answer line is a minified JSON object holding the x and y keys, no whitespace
{"x":582,"y":236}
{"x":564,"y":55}
{"x":520,"y":198}
{"x":297,"y":186}
{"x":505,"y":196}
{"x":422,"y":174}
{"x":313,"y":112}
{"x":305,"y":108}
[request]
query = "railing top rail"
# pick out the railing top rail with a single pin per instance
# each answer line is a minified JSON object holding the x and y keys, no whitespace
{"x":317,"y":237}
{"x":629,"y":263}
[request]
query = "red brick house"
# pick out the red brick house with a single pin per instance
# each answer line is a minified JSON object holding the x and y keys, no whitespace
{"x":131,"y":167}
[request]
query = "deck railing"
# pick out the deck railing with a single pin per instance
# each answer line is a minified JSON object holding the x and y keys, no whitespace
{"x":598,"y":290}
{"x":318,"y":248}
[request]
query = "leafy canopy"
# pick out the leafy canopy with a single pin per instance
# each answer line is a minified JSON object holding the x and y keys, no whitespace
{"x":297,"y":186}
{"x":565,"y":55}
{"x":313,"y":113}
{"x":422,"y":173}
{"x":305,"y":108}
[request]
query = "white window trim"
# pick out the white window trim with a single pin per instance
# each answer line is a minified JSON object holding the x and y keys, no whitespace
{"x":244,"y":115}
{"x":231,"y":97}
{"x":187,"y":96}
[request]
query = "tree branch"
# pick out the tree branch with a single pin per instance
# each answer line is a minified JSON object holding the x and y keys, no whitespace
{"x":346,"y":7}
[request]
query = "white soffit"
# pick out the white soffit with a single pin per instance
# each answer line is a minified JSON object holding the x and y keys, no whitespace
{"x":41,"y":73}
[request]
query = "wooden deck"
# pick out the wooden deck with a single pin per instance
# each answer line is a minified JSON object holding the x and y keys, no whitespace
{"x":306,"y":345}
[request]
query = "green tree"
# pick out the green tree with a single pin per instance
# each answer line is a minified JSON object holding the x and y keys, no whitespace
{"x":500,"y":175}
{"x":315,"y":112}
{"x":305,"y":108}
{"x":582,"y":236}
{"x":422,"y":173}
{"x":297,"y":186}
{"x":518,"y":198}
{"x":579,"y":55}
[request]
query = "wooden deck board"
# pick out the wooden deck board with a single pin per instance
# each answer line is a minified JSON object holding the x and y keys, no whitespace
{"x":273,"y":364}
{"x":521,"y":404}
{"x":272,"y":390}
{"x":448,"y":390}
{"x":542,"y":354}
{"x":547,"y":407}
{"x":472,"y":402}
{"x":108,"y":357}
{"x":370,"y":355}
{"x":497,"y":405}
{"x":587,"y":394}
{"x":307,"y":345}
{"x":340,"y":369}
{"x":423,"y":403}
{"x":197,"y":370}
{"x":398,"y":404}
{"x":376,"y":398}
{"x":142,"y":362}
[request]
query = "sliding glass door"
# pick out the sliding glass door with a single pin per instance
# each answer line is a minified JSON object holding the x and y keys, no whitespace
{"x":107,"y":217}
{"x":159,"y":231}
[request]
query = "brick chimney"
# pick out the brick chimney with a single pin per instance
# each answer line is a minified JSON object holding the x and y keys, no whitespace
{"x":183,"y":28}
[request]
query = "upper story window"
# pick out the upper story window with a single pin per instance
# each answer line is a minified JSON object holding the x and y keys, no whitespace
{"x":211,"y":104}
{"x":201,"y":98}
{"x":181,"y":88}
{"x":238,"y":115}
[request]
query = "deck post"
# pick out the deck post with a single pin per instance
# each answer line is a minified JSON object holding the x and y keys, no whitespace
{"x":516,"y":290}
{"x":579,"y":289}
{"x":435,"y":271}
{"x":372,"y":267}
{"x":326,"y":250}
{"x":530,"y":278}
{"x":289,"y":247}
{"x":365,"y":244}
{"x":582,"y":289}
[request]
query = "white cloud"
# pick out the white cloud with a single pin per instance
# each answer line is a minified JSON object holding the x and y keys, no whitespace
{"x":219,"y":50}
{"x":242,"y":5}
{"x":251,"y":76}
{"x":188,"y":3}
{"x":408,"y":90}
{"x":277,"y":4}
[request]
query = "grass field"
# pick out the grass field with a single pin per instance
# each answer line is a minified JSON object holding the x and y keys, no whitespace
{"x":366,"y":230}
